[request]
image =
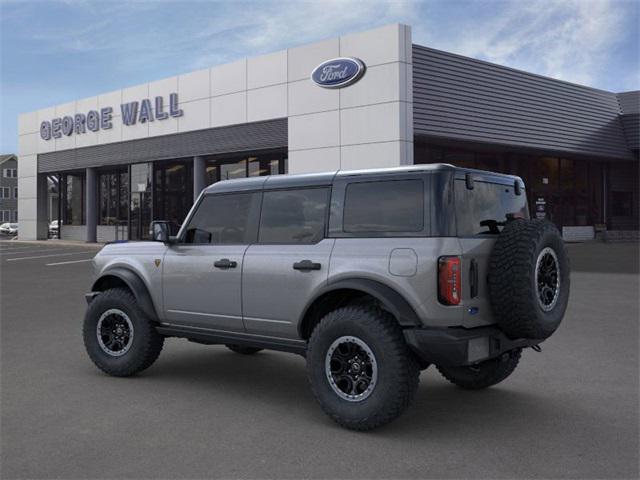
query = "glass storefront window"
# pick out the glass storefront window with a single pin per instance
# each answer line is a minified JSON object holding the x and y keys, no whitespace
{"x":257,"y":165}
{"x":173,"y":191}
{"x":113,"y":195}
{"x":73,"y":199}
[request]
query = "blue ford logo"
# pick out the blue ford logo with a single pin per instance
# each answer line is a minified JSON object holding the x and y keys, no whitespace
{"x":338,"y":72}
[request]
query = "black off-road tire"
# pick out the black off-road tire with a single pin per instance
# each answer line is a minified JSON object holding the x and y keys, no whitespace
{"x":513,"y":290}
{"x":242,"y":349}
{"x":398,"y":370}
{"x":485,"y":374}
{"x":145,"y":345}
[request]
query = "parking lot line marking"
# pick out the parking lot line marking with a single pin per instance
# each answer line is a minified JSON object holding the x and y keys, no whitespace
{"x":34,"y":250}
{"x":52,"y":255}
{"x":70,"y":261}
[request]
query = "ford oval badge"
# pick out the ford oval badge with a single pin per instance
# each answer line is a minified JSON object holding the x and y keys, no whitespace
{"x":338,"y":72}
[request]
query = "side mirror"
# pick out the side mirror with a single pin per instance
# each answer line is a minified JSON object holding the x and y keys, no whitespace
{"x":160,"y":231}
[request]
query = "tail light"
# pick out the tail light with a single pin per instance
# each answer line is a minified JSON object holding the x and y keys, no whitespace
{"x":449,"y":280}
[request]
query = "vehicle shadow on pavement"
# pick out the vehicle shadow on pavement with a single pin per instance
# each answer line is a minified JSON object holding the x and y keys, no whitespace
{"x":279,"y":379}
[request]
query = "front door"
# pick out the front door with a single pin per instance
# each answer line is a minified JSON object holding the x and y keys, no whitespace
{"x":202,"y":273}
{"x":289,"y":262}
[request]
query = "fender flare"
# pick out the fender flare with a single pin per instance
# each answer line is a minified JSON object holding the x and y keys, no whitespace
{"x":387,"y":296}
{"x":135,"y":284}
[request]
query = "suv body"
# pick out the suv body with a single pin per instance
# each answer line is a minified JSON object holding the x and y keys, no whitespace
{"x":259,"y":262}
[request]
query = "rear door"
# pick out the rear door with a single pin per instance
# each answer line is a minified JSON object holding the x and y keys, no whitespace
{"x":288,"y":263}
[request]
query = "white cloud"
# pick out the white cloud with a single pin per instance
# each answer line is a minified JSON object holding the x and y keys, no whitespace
{"x":569,"y":40}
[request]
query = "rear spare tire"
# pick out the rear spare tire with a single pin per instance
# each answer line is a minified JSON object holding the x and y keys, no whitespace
{"x":529,"y":279}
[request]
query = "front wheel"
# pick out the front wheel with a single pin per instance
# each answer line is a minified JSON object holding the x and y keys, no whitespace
{"x":360,"y":369}
{"x":119,"y":338}
{"x":485,"y":374}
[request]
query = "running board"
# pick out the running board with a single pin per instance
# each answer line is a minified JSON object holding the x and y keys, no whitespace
{"x":217,"y":337}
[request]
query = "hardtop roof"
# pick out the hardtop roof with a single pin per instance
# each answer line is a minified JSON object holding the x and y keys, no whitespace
{"x":327,"y":178}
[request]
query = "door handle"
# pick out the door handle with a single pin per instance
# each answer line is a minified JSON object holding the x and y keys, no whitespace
{"x":225,"y":263}
{"x":306,"y":265}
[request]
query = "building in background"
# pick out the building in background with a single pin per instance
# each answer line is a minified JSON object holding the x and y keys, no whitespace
{"x":9,"y":188}
{"x":120,"y":159}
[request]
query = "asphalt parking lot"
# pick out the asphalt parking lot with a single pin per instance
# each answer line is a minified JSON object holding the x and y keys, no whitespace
{"x":203,"y":411}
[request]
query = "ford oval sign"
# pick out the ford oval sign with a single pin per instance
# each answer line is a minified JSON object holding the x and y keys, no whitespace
{"x":338,"y":73}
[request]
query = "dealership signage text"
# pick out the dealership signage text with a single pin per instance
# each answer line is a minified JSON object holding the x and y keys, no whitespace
{"x":94,"y":120}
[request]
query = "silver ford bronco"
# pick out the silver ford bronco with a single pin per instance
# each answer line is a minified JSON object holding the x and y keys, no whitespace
{"x":371,"y":275}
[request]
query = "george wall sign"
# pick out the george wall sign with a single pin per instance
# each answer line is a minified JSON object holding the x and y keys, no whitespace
{"x":94,"y":120}
{"x":338,"y":72}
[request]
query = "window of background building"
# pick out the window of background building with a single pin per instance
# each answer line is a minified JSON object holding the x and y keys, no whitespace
{"x":15,"y":192}
{"x":242,"y":166}
{"x":73,"y":192}
{"x":293,"y":216}
{"x":173,"y":191}
{"x":10,"y":173}
{"x":15,"y":215}
{"x":6,"y":215}
{"x":384,"y":206}
{"x":113,"y":194}
{"x":5,"y":192}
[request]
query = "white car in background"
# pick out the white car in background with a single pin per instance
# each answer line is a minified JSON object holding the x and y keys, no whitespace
{"x":9,"y":228}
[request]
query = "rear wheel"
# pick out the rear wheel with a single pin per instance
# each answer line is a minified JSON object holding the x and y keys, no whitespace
{"x":242,"y":349}
{"x":360,"y":369}
{"x":485,"y":374}
{"x":119,"y":338}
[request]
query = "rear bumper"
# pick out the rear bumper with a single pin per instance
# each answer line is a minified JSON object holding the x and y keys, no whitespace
{"x":453,"y":347}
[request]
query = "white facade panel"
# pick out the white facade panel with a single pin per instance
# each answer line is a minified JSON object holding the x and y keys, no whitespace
{"x":196,"y":115}
{"x":315,"y":130}
{"x":306,"y":97}
{"x":27,"y":187}
{"x":370,"y":124}
{"x":380,"y":84}
{"x":229,"y":109}
{"x":267,"y":70}
{"x":87,"y":139}
{"x":372,"y":155}
{"x":163,"y":127}
{"x":229,"y":78}
{"x":194,"y":85}
{"x":87,"y":104}
{"x":315,"y":160}
{"x":113,"y":134}
{"x":27,"y":166}
{"x":267,"y":103}
{"x":28,"y":144}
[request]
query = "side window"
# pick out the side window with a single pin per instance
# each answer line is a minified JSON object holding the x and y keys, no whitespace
{"x":222,"y":219}
{"x":293,"y":216}
{"x":384,"y":206}
{"x":484,"y":209}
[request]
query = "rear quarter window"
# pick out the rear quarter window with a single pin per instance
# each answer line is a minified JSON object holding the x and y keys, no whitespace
{"x":480,"y":211}
{"x":394,"y":206}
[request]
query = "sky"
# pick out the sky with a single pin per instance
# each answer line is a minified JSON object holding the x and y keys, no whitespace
{"x":55,"y":51}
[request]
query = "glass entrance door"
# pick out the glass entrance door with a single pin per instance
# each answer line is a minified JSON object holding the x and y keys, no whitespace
{"x":140,"y":205}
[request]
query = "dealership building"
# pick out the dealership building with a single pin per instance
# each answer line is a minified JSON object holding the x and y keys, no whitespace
{"x":109,"y":164}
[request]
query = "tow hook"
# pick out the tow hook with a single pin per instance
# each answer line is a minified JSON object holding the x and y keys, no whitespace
{"x":536,"y":348}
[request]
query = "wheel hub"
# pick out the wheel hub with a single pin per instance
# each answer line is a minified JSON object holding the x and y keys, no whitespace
{"x":547,"y":279}
{"x":351,"y":368}
{"x":114,"y":332}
